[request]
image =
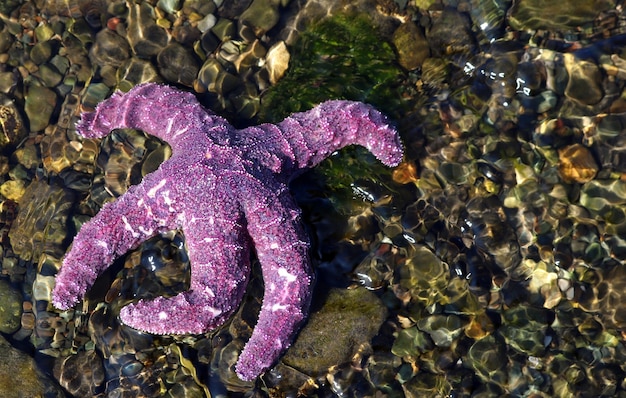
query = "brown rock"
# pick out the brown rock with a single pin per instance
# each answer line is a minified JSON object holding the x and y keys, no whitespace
{"x":576,"y":164}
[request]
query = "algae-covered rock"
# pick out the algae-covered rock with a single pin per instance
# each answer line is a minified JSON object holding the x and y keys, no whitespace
{"x":332,"y":335}
{"x":10,"y":307}
{"x":6,"y":6}
{"x":40,"y":103}
{"x":411,"y":45}
{"x":20,"y":376}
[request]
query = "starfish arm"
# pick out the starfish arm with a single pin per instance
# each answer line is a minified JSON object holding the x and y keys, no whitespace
{"x":159,"y":110}
{"x":219,"y":253}
{"x":332,"y":125}
{"x":282,"y":249}
{"x":118,"y":227}
{"x":304,"y":139}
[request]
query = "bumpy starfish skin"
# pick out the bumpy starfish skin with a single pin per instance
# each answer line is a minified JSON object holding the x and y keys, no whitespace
{"x":226,"y":189}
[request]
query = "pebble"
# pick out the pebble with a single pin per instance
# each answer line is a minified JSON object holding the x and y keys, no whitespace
{"x":577,"y":164}
{"x":224,"y":29}
{"x":585,"y":81}
{"x":40,"y":103}
{"x":41,"y":52}
{"x":434,"y":72}
{"x":249,"y":57}
{"x":42,"y":288}
{"x":6,"y":40}
{"x":169,"y":6}
{"x":81,"y":374}
{"x":7,"y":81}
{"x":450,"y":34}
{"x":12,"y":189}
{"x":207,"y":23}
{"x":12,"y":129}
{"x":145,"y":37}
{"x":261,"y":15}
{"x":277,"y":61}
{"x":109,"y":49}
{"x":216,"y":79}
{"x":43,"y":32}
{"x":135,"y":71}
{"x":178,"y":64}
{"x":209,"y":42}
{"x":49,"y":75}
{"x":186,"y":35}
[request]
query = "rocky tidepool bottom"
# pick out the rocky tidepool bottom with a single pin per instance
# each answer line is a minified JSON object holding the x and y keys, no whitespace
{"x":489,"y":263}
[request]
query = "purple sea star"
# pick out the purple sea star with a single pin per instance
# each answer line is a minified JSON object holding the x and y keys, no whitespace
{"x":226,"y":189}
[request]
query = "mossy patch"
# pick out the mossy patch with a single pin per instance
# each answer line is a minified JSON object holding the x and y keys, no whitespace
{"x":342,"y":57}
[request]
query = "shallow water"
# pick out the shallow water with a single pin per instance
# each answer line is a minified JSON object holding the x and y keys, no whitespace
{"x":489,"y":263}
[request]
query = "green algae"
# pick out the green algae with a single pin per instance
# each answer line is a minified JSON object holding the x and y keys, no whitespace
{"x":341,"y":57}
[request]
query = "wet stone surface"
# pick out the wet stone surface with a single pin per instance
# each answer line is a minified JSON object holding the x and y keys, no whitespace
{"x":491,"y":262}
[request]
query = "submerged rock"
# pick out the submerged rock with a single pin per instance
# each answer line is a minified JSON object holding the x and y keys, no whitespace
{"x":82,"y":375}
{"x":40,"y":103}
{"x":12,"y":129}
{"x":109,"y":49}
{"x":567,"y":15}
{"x":261,"y":15}
{"x":411,"y":45}
{"x":146,"y":38}
{"x":333,"y":334}
{"x":10,"y":308}
{"x":41,"y":224}
{"x":576,"y":164}
{"x":20,"y":376}
{"x":585,"y":81}
{"x":178,"y":64}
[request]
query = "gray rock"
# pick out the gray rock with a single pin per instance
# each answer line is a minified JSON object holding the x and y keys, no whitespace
{"x":178,"y":64}
{"x":109,"y":49}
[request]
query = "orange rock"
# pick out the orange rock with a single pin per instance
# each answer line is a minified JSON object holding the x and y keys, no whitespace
{"x":576,"y":164}
{"x":405,"y":173}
